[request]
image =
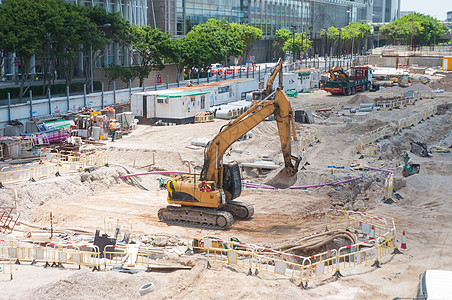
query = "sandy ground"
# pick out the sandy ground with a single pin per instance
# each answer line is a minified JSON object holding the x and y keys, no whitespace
{"x":84,"y":200}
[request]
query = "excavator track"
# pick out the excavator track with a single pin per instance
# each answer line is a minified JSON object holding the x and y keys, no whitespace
{"x":240,"y":210}
{"x":196,"y":216}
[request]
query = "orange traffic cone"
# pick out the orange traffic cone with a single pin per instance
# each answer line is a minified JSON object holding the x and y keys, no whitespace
{"x":403,"y":246}
{"x":372,"y":233}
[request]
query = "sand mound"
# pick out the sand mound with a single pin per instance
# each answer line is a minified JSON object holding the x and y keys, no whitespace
{"x":444,"y":83}
{"x":359,"y":99}
{"x":27,"y":196}
{"x":419,"y":87}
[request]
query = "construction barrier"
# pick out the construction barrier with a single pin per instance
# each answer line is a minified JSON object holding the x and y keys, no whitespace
{"x":115,"y":227}
{"x":6,"y":271}
{"x":26,"y":142}
{"x":305,"y":268}
{"x":53,"y":163}
{"x":389,"y":187}
{"x":54,"y":254}
{"x":39,"y":139}
{"x":370,"y":138}
{"x":418,"y":95}
{"x":203,"y":117}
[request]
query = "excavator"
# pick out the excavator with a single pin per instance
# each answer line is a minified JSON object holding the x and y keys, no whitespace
{"x":207,"y":200}
{"x":338,"y":74}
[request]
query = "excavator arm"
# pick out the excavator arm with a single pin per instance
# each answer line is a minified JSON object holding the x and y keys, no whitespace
{"x":278,"y":70}
{"x":280,"y":107}
{"x":261,"y":94}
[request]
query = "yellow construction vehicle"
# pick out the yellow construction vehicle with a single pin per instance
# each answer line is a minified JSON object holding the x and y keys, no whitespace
{"x":207,"y":199}
{"x":338,"y":74}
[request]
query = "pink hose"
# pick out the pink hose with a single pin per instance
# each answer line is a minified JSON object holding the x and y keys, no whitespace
{"x":263,"y":186}
{"x":155,"y":172}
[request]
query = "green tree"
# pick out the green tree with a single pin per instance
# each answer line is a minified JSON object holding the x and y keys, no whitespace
{"x":282,"y":36}
{"x":177,"y":54}
{"x":107,"y":27}
{"x":353,"y":35}
{"x":301,"y":44}
{"x":23,"y":29}
{"x":414,"y":28}
{"x":152,"y":46}
{"x":248,"y":36}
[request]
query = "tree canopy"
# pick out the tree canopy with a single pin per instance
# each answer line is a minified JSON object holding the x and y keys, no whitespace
{"x":56,"y":31}
{"x":59,"y":32}
{"x":414,"y":28}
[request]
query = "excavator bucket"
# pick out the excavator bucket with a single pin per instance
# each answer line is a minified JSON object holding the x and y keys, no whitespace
{"x":283,"y":179}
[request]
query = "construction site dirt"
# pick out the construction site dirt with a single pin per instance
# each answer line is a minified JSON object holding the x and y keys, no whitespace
{"x":423,"y":211}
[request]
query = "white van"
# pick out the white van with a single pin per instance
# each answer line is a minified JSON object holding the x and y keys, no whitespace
{"x":435,"y":285}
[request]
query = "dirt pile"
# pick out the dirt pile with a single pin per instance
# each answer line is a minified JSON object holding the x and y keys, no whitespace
{"x":360,"y":99}
{"x":444,"y":83}
{"x":28,"y":196}
{"x":369,"y":125}
{"x":419,"y":87}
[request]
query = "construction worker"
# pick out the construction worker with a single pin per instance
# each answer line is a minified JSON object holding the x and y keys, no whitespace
{"x":112,"y":129}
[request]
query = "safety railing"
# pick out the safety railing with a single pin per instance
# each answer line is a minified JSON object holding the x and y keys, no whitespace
{"x":389,"y":187}
{"x":53,"y":254}
{"x":39,"y":139}
{"x":52,"y":163}
{"x":393,"y":103}
{"x":203,"y":117}
{"x":6,"y":270}
{"x":114,"y":226}
{"x":380,"y":242}
{"x":370,"y":138}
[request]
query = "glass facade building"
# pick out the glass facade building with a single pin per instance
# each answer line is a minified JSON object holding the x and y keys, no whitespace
{"x":176,"y":17}
{"x":385,"y":11}
{"x":113,"y":54}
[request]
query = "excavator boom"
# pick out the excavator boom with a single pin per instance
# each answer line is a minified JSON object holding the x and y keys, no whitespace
{"x":231,"y":132}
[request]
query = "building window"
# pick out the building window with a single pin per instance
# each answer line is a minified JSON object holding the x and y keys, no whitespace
{"x":203,"y":102}
{"x":224,"y":89}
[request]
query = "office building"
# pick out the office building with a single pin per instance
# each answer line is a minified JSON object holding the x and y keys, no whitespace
{"x":177,"y":17}
{"x":385,"y":11}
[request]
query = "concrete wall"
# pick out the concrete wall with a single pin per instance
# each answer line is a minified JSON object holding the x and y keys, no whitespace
{"x":390,"y":61}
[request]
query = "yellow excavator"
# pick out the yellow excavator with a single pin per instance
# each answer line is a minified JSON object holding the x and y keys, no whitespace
{"x":338,"y":74}
{"x":207,"y":199}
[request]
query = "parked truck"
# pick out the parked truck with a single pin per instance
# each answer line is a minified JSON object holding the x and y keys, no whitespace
{"x":341,"y":83}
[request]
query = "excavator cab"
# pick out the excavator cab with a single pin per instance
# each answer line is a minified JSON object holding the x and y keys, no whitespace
{"x":232,"y":181}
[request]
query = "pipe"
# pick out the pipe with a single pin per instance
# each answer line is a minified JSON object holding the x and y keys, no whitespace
{"x":133,"y":178}
{"x":155,"y":172}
